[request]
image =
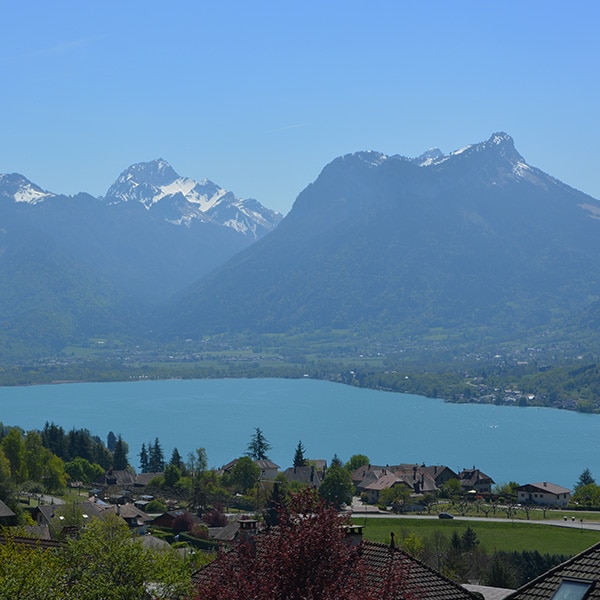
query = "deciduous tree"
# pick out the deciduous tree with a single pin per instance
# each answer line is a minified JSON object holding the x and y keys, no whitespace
{"x":307,"y":556}
{"x":356,"y":461}
{"x":244,"y":475}
{"x":337,"y":487}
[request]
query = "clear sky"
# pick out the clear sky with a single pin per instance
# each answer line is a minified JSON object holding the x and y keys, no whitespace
{"x":259,"y":95}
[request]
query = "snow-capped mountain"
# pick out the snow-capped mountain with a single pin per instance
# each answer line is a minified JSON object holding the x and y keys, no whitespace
{"x":181,"y":200}
{"x":73,"y":266}
{"x":20,"y":189}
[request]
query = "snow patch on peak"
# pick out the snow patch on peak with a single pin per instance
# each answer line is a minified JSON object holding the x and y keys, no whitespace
{"x":181,"y":200}
{"x":500,"y":138}
{"x":461,"y":150}
{"x":22,"y":190}
{"x":370,"y":157}
{"x":429,"y":157}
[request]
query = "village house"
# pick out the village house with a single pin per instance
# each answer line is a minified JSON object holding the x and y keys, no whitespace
{"x":305,"y":475}
{"x":421,"y":479}
{"x":543,"y":493}
{"x":6,"y":515}
{"x":268,"y":469}
{"x":387,"y":481}
{"x":475,"y":480}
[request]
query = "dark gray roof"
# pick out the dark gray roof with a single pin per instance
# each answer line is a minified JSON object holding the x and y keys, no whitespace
{"x":266,"y":464}
{"x":583,"y":566}
{"x":489,"y":593}
{"x":420,"y":581}
{"x":40,"y":532}
{"x":32,"y":542}
{"x":5,"y":512}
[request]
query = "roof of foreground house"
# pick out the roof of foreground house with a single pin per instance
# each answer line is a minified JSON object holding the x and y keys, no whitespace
{"x":421,"y":581}
{"x":577,"y":571}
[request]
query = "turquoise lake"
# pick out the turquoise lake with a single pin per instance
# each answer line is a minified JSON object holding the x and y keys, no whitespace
{"x":507,"y":443}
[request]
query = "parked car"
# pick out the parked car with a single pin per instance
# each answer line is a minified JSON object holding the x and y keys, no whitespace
{"x":445,"y":515}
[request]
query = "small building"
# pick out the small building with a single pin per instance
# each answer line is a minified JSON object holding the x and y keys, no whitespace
{"x":543,"y":493}
{"x":133,"y":516}
{"x":374,"y":489}
{"x":475,"y":480}
{"x":169,"y":519}
{"x":268,"y":469}
{"x":6,"y":515}
{"x":309,"y":476}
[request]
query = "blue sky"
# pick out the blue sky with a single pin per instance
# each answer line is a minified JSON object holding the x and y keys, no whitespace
{"x":259,"y":96}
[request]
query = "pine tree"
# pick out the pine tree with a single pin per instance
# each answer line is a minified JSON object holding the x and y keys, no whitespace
{"x":120,"y":455}
{"x":156,"y":461}
{"x":299,"y":460}
{"x":585,"y":479}
{"x":176,"y":460}
{"x":144,"y":459}
{"x":469,"y":539}
{"x":336,"y":462}
{"x":111,"y":441}
{"x":258,"y":446}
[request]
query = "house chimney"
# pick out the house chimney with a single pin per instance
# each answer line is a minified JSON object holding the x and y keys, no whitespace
{"x":248,"y":528}
{"x":353,"y":534}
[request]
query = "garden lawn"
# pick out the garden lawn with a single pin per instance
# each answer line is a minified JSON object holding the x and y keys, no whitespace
{"x":509,"y":536}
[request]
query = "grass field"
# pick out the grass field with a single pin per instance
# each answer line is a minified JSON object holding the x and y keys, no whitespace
{"x":492,"y":536}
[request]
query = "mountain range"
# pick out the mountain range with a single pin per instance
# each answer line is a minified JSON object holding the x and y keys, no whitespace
{"x":474,"y":246}
{"x":79,"y":266}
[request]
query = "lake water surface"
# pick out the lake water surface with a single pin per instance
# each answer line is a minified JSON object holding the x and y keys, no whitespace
{"x":507,"y":443}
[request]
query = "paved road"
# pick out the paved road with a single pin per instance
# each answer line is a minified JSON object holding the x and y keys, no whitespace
{"x":369,"y":511}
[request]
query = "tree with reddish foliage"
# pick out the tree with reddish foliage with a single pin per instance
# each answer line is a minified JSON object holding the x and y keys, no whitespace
{"x":182,"y":522}
{"x":215,"y":517}
{"x":308,"y":556}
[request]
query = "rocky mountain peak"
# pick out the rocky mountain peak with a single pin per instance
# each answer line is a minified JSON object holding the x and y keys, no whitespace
{"x":20,"y":189}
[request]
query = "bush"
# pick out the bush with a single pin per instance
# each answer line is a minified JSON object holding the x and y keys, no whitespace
{"x":155,"y":506}
{"x":199,"y":531}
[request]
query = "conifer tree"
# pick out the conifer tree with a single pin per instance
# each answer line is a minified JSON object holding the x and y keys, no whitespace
{"x":258,"y":446}
{"x":176,"y":460}
{"x":299,"y":460}
{"x":156,"y":459}
{"x":144,"y":459}
{"x":120,"y":462}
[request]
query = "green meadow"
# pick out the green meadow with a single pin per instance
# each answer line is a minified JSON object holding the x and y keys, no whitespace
{"x":493,"y":536}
